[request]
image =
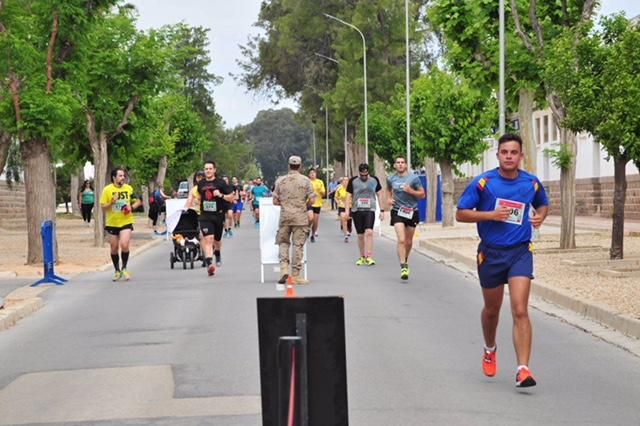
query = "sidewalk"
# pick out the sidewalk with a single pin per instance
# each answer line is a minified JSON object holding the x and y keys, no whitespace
{"x":612,"y":302}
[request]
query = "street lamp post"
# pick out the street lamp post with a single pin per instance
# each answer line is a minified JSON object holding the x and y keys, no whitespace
{"x":326,"y":144}
{"x":501,"y":100}
{"x":364,"y":54}
{"x":314,"y":145}
{"x":407,"y":82}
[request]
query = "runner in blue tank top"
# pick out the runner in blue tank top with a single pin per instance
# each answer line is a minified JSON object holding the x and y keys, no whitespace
{"x":499,"y":202}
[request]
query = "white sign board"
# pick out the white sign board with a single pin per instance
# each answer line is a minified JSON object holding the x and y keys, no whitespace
{"x":269,"y":218}
{"x":269,"y":223}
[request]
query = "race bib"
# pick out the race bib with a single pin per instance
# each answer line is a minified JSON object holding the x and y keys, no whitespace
{"x":119,"y":205}
{"x":516,"y":208}
{"x":209,"y":206}
{"x":363,"y":203}
{"x":405,"y":212}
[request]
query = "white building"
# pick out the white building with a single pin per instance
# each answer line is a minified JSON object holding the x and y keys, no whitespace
{"x":591,"y":159}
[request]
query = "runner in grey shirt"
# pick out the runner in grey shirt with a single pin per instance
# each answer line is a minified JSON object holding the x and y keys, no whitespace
{"x":361,"y":202}
{"x":405,"y":191}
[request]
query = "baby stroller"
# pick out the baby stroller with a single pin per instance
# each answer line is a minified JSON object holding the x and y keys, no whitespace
{"x":185,"y":236}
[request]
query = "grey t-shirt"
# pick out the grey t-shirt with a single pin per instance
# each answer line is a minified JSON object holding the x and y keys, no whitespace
{"x":363,"y":193}
{"x":401,"y":198}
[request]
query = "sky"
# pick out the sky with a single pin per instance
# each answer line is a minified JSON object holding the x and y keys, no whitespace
{"x":231,"y":23}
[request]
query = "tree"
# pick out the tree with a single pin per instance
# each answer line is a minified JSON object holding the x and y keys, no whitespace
{"x":117,"y":69}
{"x":275,"y":135}
{"x":469,"y":32}
{"x":282,"y":62}
{"x":546,"y":22}
{"x":596,"y":75}
{"x":37,"y":39}
{"x":452,"y":121}
{"x":234,"y":155}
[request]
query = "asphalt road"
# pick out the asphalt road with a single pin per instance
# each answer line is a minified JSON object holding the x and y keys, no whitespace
{"x":175,"y":347}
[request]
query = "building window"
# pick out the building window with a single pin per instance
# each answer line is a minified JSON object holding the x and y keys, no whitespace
{"x":545,"y":129}
{"x":537,"y":131}
{"x":554,"y":129}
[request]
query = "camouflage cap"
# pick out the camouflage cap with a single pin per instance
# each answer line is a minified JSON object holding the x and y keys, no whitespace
{"x":294,"y":160}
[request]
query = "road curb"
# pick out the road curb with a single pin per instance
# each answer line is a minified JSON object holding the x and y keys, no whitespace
{"x":596,"y":312}
{"x":19,"y":304}
{"x":24,"y":301}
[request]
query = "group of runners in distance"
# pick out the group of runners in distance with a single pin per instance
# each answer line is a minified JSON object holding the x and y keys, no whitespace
{"x":505,"y":202}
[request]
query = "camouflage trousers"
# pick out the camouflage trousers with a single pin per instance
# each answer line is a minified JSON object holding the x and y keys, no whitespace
{"x":292,"y":235}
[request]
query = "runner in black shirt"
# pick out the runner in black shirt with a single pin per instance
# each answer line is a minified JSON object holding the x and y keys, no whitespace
{"x":213,"y":195}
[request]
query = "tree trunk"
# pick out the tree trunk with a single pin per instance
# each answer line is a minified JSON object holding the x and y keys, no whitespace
{"x":74,"y":191}
{"x":5,"y":144}
{"x":99,"y":150}
{"x":98,"y":142}
{"x":447,"y":193}
{"x":568,"y":193}
{"x":619,"y":198}
{"x":162,"y":171}
{"x":525,"y":112}
{"x":145,"y":198}
{"x":431,"y":170}
{"x":40,"y":198}
{"x":380,"y":172}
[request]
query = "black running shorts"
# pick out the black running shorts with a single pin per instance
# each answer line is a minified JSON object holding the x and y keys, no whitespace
{"x":115,"y":230}
{"x":212,"y":224}
{"x":412,"y":223}
{"x":363,"y":220}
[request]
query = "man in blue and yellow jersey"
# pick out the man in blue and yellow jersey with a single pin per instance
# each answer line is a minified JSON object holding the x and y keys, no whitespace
{"x":499,"y":201}
{"x":118,"y":202}
{"x":320,"y":191}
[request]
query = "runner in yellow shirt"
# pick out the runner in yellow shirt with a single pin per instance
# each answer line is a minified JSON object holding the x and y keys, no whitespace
{"x":118,"y":202}
{"x":341,"y":198}
{"x":320,"y":191}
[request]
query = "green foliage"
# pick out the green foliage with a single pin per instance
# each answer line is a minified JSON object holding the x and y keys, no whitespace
{"x":63,"y":184}
{"x":233,"y":155}
{"x":276,"y":135}
{"x":596,"y":74}
{"x":452,"y":120}
{"x":561,"y":157}
{"x":282,"y":61}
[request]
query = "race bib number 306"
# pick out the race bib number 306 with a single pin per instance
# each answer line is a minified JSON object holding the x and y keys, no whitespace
{"x":516,"y":210}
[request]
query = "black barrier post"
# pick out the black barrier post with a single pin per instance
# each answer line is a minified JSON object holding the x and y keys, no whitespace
{"x":288,"y":380}
{"x":48,"y":233}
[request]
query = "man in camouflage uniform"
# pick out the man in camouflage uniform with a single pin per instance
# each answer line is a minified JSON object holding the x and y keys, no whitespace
{"x":293,"y":193}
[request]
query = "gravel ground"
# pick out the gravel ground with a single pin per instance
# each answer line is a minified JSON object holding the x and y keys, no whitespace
{"x":621,"y":295}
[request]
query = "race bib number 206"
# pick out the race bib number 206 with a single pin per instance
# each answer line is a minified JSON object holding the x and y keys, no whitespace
{"x":516,"y":210}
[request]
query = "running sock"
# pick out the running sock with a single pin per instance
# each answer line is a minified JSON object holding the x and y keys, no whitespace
{"x":125,"y":259}
{"x":404,"y":265}
{"x":115,"y":259}
{"x":208,"y":260}
{"x":493,"y":349}
{"x":216,"y":252}
{"x":520,"y":367}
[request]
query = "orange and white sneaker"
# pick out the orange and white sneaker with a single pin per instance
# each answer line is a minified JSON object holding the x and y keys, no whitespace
{"x":524,"y":379}
{"x":490,"y":363}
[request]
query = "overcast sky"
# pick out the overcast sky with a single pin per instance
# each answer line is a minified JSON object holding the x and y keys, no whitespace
{"x":231,"y":22}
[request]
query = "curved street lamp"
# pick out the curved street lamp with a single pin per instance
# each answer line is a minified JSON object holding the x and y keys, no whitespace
{"x":364,"y":54}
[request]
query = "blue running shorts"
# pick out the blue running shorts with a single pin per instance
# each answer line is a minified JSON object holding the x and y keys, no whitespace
{"x":497,"y":264}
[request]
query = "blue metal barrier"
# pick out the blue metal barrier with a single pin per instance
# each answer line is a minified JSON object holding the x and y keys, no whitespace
{"x":422,"y":204}
{"x":48,"y":232}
